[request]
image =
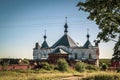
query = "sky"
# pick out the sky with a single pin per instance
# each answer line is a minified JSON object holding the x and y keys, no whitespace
{"x":23,"y":22}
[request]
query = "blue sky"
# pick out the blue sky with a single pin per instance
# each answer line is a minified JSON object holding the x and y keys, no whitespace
{"x":22,"y":24}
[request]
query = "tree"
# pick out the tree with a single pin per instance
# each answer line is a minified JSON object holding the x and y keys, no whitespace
{"x":26,"y":61}
{"x":62,"y":65}
{"x":106,"y":14}
{"x":116,"y":55}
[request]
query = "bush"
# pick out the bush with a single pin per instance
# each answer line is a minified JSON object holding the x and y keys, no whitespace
{"x":25,"y":61}
{"x":92,"y":67}
{"x":46,"y":66}
{"x":106,"y":61}
{"x":104,"y":66}
{"x":118,"y":70}
{"x":80,"y":66}
{"x":62,"y":65}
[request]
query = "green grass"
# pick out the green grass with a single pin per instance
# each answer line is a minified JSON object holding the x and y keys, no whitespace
{"x":34,"y":75}
{"x":56,"y":75}
{"x":101,"y":75}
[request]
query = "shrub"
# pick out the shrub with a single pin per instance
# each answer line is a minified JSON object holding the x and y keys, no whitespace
{"x":106,"y":61}
{"x":92,"y":67}
{"x":80,"y":66}
{"x":25,"y":61}
{"x":46,"y":66}
{"x":62,"y":65}
{"x":104,"y":66}
{"x":118,"y":70}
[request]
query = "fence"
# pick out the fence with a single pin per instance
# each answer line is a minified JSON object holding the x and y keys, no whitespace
{"x":16,"y":67}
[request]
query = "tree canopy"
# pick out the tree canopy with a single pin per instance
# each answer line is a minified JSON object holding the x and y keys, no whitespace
{"x":116,"y":55}
{"x":106,"y":14}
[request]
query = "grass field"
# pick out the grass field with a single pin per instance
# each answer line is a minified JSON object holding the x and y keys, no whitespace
{"x":57,"y":75}
{"x":34,"y":75}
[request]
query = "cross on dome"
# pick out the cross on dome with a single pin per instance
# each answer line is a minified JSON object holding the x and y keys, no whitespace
{"x":88,"y":34}
{"x":45,"y":36}
{"x":66,"y":26}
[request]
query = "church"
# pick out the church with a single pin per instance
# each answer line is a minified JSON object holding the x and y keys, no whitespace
{"x":66,"y":48}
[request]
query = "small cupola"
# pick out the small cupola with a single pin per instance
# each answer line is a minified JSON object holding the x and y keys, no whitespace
{"x":66,"y":26}
{"x":44,"y":44}
{"x":87,"y":43}
{"x":37,"y":46}
{"x":88,"y":36}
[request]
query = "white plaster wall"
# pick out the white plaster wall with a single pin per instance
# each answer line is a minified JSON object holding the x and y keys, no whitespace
{"x":41,"y":53}
{"x":81,"y":53}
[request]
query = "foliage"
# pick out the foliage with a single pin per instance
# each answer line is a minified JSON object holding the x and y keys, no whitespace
{"x":116,"y":54}
{"x":0,"y":61}
{"x":46,"y":66}
{"x":118,"y":70}
{"x":91,"y":67}
{"x":80,"y":67}
{"x":106,"y":61}
{"x":26,"y":61}
{"x":104,"y":67}
{"x":62,"y":65}
{"x":106,"y":14}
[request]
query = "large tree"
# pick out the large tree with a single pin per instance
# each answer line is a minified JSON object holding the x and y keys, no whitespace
{"x":116,"y":55}
{"x":106,"y":14}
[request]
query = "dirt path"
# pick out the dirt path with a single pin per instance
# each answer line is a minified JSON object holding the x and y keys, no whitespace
{"x":74,"y":77}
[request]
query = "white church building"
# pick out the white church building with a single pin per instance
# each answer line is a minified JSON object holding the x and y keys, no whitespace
{"x":66,"y":45}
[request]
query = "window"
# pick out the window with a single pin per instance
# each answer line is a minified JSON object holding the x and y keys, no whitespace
{"x":76,"y":56}
{"x":83,"y":55}
{"x":90,"y":56}
{"x":44,"y":55}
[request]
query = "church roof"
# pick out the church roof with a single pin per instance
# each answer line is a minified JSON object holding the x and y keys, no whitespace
{"x":44,"y":45}
{"x":59,"y":50}
{"x":37,"y":46}
{"x":65,"y":40}
{"x":87,"y":44}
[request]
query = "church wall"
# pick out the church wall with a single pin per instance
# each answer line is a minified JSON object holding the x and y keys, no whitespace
{"x":41,"y":53}
{"x":74,"y":53}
